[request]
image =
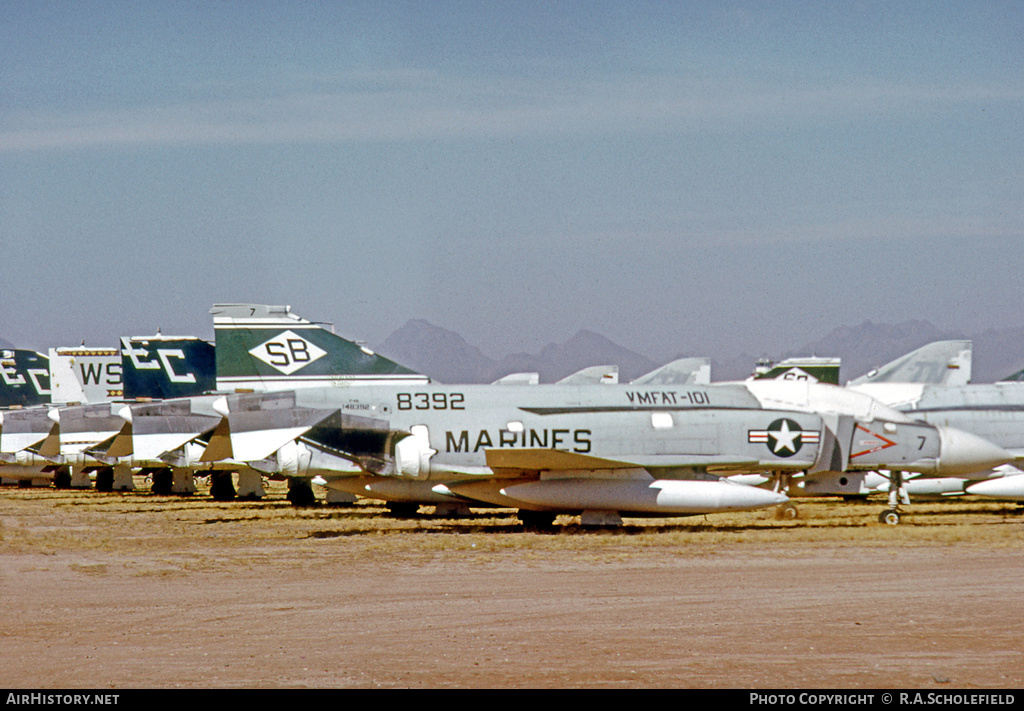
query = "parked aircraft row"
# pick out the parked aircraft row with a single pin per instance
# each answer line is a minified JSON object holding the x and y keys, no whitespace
{"x":292,"y":399}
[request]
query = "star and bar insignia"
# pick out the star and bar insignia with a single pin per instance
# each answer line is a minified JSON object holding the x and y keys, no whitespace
{"x":784,"y":437}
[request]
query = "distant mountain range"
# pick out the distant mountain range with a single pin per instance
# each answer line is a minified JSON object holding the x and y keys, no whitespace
{"x":446,"y":356}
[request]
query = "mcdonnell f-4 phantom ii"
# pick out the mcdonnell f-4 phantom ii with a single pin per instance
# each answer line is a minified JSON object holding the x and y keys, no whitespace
{"x":941,"y":363}
{"x":947,"y":398}
{"x":59,"y":434}
{"x":369,"y":426}
{"x":24,"y":378}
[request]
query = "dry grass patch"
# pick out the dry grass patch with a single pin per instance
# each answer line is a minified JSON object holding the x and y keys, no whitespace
{"x":172,"y":529}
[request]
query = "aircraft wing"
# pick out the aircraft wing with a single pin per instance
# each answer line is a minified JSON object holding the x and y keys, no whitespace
{"x":255,"y":426}
{"x":160,"y":427}
{"x":32,"y":429}
{"x":83,"y":426}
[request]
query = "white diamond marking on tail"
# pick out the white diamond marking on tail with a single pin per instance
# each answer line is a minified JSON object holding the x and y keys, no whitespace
{"x":288,"y":352}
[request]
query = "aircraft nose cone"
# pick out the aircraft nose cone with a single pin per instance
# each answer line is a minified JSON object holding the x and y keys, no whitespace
{"x":964,"y":453}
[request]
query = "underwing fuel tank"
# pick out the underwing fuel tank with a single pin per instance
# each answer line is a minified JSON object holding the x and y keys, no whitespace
{"x":664,"y":497}
{"x":1006,"y":487}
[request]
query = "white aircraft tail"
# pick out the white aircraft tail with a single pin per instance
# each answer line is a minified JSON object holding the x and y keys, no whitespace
{"x":938,"y":363}
{"x":85,"y":375}
{"x":684,"y":371}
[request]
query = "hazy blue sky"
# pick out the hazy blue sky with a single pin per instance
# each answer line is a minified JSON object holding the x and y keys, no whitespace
{"x":677,"y":176}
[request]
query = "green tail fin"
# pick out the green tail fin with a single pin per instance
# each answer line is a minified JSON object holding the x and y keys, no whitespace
{"x":24,"y":378}
{"x":164,"y":367}
{"x":263,"y":347}
{"x":822,"y":370}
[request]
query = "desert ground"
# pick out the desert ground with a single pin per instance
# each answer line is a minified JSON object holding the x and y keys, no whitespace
{"x":132,"y":590}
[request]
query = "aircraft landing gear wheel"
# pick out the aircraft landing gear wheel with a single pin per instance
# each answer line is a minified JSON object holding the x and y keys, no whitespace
{"x":300,"y":493}
{"x":401,"y":509}
{"x":890,"y":517}
{"x":163,"y":482}
{"x":62,"y":479}
{"x":787,"y":512}
{"x":105,"y":479}
{"x":542,"y":520}
{"x":221,"y":486}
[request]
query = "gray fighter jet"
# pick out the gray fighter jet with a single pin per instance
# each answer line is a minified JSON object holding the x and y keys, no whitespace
{"x":65,"y":407}
{"x":366,"y":425}
{"x":993,"y":411}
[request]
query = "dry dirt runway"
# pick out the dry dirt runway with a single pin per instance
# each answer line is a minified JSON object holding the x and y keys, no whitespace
{"x":133,"y":590}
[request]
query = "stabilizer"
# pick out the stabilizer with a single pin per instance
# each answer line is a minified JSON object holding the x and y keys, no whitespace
{"x":24,"y":378}
{"x":809,"y":368}
{"x":266,"y":348}
{"x":81,"y":375}
{"x":938,"y":363}
{"x":165,"y":367}
{"x":684,"y":371}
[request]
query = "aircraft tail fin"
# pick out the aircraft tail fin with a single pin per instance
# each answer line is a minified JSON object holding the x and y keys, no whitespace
{"x":24,"y":378}
{"x":164,"y":367}
{"x":263,"y":348}
{"x":938,"y":363}
{"x":594,"y":375}
{"x":81,"y":375}
{"x":683,"y":371}
{"x":1015,"y":377}
{"x":810,"y":368}
{"x":518,"y":379}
